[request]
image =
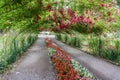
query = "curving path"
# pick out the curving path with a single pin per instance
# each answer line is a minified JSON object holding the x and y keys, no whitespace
{"x":35,"y":65}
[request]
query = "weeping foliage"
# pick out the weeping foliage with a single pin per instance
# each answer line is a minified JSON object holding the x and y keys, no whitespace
{"x":36,"y":14}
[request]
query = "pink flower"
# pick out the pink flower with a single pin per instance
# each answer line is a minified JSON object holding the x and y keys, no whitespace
{"x":95,"y":19}
{"x":54,"y":16}
{"x":102,"y":4}
{"x":88,"y":20}
{"x":70,"y":13}
{"x":49,"y":6}
{"x":79,"y":19}
{"x":111,"y":19}
{"x":61,"y":12}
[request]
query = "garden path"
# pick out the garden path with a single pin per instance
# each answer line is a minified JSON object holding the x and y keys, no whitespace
{"x":35,"y":64}
{"x":101,"y":69}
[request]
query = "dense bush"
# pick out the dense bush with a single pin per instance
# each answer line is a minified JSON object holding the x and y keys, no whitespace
{"x":102,"y":47}
{"x":95,"y":45}
{"x":98,"y":46}
{"x":14,"y":46}
{"x":112,"y":52}
{"x":75,"y":41}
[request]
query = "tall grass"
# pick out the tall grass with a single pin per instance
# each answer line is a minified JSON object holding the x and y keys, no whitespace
{"x":98,"y":46}
{"x":13,"y":47}
{"x":112,"y":52}
{"x":93,"y":45}
{"x":105,"y":48}
{"x":75,"y":41}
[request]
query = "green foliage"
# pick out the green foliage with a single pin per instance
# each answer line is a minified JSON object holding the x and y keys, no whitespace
{"x":20,"y":14}
{"x":13,"y":47}
{"x":117,"y":45}
{"x":51,"y":52}
{"x":118,"y":2}
{"x":70,"y":40}
{"x":98,"y":46}
{"x":93,"y":45}
{"x":111,"y":54}
{"x":82,"y":70}
{"x":101,"y":47}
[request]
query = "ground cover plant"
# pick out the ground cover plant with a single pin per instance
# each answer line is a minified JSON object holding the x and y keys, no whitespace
{"x":65,"y":67}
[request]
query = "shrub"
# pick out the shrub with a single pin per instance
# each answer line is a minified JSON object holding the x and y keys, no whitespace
{"x":93,"y":45}
{"x":14,"y":46}
{"x":110,"y":54}
{"x":75,"y":41}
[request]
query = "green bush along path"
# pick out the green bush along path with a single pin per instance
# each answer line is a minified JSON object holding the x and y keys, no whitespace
{"x":35,"y":64}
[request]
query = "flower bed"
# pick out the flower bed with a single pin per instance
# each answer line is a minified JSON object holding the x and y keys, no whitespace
{"x":65,"y":67}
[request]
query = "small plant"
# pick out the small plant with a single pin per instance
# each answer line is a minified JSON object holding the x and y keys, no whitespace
{"x":51,"y":52}
{"x":74,"y":41}
{"x":58,"y":36}
{"x":82,"y":71}
{"x":117,"y":45}
{"x":110,"y":54}
{"x":79,"y":42}
{"x":93,"y":45}
{"x":66,"y":37}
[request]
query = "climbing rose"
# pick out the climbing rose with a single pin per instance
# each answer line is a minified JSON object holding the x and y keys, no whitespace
{"x":109,"y":13}
{"x":111,"y":19}
{"x":56,"y":2}
{"x":102,"y":4}
{"x":54,"y":16}
{"x":88,"y":20}
{"x":48,"y":7}
{"x":70,"y":13}
{"x":95,"y":19}
{"x":61,"y":12}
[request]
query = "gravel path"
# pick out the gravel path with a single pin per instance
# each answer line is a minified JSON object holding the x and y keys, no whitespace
{"x":100,"y":68}
{"x":35,"y":65}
